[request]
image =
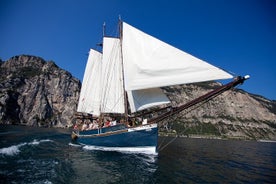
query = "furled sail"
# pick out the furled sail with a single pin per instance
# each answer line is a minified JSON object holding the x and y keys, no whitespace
{"x":89,"y":100}
{"x":146,"y":98}
{"x":151,"y":63}
{"x":112,"y":77}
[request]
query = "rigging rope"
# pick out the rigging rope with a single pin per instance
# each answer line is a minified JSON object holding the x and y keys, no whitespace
{"x":160,"y":147}
{"x":168,"y":143}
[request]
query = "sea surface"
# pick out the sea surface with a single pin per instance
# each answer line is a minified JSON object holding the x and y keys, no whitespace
{"x":41,"y":155}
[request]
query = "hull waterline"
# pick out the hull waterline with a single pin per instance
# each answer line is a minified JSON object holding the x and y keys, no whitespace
{"x":120,"y":138}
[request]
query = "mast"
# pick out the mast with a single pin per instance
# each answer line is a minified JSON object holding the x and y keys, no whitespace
{"x":101,"y":118}
{"x":103,"y":34}
{"x":125,"y":93}
{"x":104,"y":29}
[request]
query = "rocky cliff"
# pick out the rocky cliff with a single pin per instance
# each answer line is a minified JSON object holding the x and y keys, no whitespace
{"x":38,"y":93}
{"x":233,"y":114}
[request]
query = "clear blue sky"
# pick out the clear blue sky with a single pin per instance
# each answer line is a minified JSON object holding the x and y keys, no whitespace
{"x":236,"y":35}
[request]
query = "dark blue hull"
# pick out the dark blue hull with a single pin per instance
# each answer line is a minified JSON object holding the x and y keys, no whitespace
{"x":119,"y":136}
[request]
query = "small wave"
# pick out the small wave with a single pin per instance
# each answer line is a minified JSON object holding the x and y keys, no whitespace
{"x":47,"y":182}
{"x":74,"y":145}
{"x":8,"y":132}
{"x":36,"y":142}
{"x":143,"y":150}
{"x":15,"y":149}
{"x":264,"y":140}
{"x":12,"y":150}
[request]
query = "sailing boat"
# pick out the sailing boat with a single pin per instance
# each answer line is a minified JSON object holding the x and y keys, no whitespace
{"x":121,"y":100}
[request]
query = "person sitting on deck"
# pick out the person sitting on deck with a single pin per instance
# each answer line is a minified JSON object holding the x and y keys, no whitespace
{"x":90,"y":127}
{"x":84,"y":127}
{"x":78,"y":124}
{"x":107,"y":123}
{"x":113,"y":122}
{"x":95,"y":124}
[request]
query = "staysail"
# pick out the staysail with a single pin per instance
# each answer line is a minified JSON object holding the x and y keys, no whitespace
{"x":150,"y":63}
{"x":146,"y":98}
{"x":112,"y":77}
{"x":89,"y":100}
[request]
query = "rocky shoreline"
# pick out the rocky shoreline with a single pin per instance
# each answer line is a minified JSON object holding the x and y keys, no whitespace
{"x":203,"y":136}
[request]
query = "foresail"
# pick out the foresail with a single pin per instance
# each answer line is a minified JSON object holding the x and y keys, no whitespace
{"x":150,"y":63}
{"x":89,"y":100}
{"x":112,"y":75}
{"x":146,"y":98}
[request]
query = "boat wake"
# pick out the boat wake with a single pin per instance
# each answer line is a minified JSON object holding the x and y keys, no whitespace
{"x":148,"y":150}
{"x":74,"y":145}
{"x":15,"y":149}
{"x":144,"y":150}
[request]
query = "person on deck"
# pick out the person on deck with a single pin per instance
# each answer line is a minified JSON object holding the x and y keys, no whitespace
{"x":84,"y":127}
{"x":113,"y":122}
{"x":95,"y":124}
{"x":90,"y":126}
{"x":107,"y":123}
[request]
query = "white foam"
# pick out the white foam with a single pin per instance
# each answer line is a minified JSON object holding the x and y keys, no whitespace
{"x":151,"y":150}
{"x":15,"y":149}
{"x":12,"y":150}
{"x":74,"y":145}
{"x":36,"y":142}
{"x":47,"y":182}
{"x":270,"y":141}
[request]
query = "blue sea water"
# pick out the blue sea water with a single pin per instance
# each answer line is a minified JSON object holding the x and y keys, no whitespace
{"x":40,"y":155}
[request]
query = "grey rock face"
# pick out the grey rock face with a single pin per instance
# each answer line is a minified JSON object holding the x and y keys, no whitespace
{"x":37,"y":93}
{"x":233,"y":114}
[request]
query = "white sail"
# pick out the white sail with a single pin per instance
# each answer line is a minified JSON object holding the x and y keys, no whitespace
{"x":112,"y":75}
{"x":146,"y":98}
{"x":150,"y":63}
{"x":89,"y":100}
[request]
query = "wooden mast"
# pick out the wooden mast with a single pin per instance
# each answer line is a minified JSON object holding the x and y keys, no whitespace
{"x":101,"y":117}
{"x":125,"y":93}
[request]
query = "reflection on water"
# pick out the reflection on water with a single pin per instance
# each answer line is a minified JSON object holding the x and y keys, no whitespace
{"x":209,"y":161}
